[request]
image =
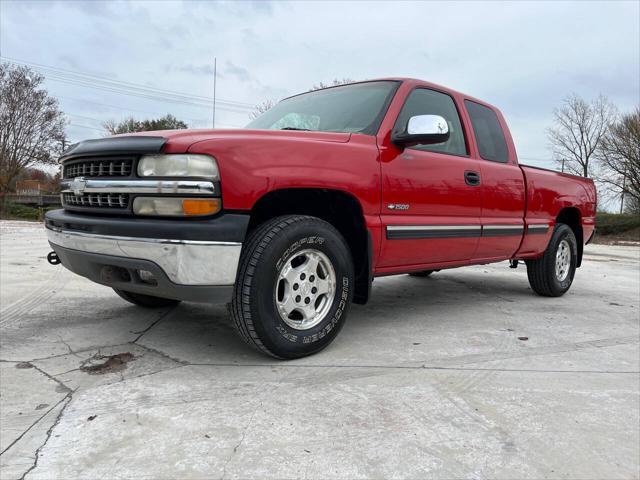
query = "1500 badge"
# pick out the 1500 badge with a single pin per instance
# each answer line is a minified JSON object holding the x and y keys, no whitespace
{"x":398,"y":206}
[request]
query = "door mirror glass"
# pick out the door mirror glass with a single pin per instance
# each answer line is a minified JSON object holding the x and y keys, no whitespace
{"x":423,"y":130}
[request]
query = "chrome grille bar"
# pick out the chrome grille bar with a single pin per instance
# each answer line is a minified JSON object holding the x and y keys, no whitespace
{"x":99,"y":168}
{"x":185,"y":187}
{"x":105,"y":201}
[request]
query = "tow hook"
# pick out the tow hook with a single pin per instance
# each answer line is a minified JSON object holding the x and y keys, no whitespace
{"x":53,"y":258}
{"x":513,"y":263}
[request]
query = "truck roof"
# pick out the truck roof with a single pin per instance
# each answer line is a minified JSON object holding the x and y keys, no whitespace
{"x":413,"y":82}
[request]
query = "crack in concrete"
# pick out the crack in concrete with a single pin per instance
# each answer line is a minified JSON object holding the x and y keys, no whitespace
{"x":153,"y":324}
{"x":183,"y":363}
{"x":71,"y":352}
{"x":244,"y":434}
{"x":50,"y":377}
{"x":67,"y":399}
{"x":162,"y":354}
{"x":98,"y":347}
{"x":405,"y":367}
{"x":31,"y":426}
{"x":82,"y":350}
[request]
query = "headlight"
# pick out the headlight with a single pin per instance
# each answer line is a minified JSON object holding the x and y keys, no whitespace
{"x":175,"y":207}
{"x":180,"y":165}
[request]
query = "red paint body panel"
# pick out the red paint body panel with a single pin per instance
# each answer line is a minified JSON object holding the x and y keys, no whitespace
{"x":377,"y":173}
{"x":503,"y":203}
{"x":547,"y":194}
{"x":433,"y":184}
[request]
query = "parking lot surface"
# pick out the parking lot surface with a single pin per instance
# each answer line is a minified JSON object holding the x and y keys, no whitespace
{"x":465,"y":374}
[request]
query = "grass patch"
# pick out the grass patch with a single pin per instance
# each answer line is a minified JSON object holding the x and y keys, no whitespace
{"x":615,"y":224}
{"x":16,"y":211}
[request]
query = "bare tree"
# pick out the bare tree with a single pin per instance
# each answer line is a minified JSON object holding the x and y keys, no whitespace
{"x":619,"y":155}
{"x":334,"y":83}
{"x":261,"y":108}
{"x":268,"y":104}
{"x":578,"y":131}
{"x":131,"y":125}
{"x":31,"y":124}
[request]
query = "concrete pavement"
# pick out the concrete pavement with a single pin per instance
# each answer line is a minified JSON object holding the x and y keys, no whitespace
{"x":465,"y":374}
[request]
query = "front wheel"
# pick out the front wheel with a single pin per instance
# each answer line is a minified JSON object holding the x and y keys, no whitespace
{"x":294,"y":286}
{"x":552,"y":274}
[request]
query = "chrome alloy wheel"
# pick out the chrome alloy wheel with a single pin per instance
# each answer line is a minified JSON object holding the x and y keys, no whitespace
{"x":305,"y":289}
{"x":563,"y":260}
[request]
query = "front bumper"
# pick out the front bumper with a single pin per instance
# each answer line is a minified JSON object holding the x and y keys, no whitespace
{"x":201,"y":269}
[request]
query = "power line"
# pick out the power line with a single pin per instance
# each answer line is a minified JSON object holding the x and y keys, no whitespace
{"x":135,"y":90}
{"x":127,"y":109}
{"x":71,"y":75}
{"x":83,"y":116}
{"x":90,"y":128}
{"x":546,"y":160}
{"x":145,"y":96}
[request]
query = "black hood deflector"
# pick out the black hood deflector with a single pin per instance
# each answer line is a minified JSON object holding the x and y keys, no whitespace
{"x":115,"y":146}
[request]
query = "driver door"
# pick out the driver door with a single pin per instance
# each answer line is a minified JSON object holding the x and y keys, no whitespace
{"x":431,"y":194}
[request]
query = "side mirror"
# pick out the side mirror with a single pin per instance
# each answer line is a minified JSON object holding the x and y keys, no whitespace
{"x":423,"y":130}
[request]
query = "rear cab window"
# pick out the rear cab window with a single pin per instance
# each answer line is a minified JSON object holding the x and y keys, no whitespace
{"x":423,"y":101}
{"x":488,"y":132}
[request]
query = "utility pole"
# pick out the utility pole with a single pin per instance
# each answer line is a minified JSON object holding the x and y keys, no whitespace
{"x":215,"y":72}
{"x":563,"y":165}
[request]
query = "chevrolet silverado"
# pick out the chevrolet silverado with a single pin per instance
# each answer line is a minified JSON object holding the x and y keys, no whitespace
{"x":290,"y":219}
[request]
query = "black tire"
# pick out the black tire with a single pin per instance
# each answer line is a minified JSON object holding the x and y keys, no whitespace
{"x":253,"y":307}
{"x":146,"y":301}
{"x":423,"y":273}
{"x":542,"y":271}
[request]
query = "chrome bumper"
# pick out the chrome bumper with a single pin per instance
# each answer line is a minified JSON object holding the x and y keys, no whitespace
{"x":185,"y":262}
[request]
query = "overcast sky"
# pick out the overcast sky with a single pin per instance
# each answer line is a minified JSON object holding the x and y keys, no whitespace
{"x":523,"y":57}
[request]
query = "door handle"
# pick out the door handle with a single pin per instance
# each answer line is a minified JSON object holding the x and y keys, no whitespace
{"x":472,"y":178}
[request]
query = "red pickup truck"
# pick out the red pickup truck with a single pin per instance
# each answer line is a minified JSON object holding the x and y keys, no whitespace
{"x":290,"y":219}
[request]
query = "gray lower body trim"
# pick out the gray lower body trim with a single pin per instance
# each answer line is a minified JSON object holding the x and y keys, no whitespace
{"x":400,"y":232}
{"x":185,"y":262}
{"x":539,"y":229}
{"x":502,"y":230}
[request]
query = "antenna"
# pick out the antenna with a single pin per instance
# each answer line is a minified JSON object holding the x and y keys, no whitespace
{"x":213,"y":117}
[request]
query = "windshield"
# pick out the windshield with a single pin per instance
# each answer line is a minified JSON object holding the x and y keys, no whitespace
{"x":358,"y":107}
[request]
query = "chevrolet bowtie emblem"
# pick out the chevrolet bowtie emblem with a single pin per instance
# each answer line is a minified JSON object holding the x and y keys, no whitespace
{"x":78,"y":185}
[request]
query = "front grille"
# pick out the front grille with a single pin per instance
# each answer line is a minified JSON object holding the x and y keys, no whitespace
{"x":113,"y":201}
{"x":99,"y":167}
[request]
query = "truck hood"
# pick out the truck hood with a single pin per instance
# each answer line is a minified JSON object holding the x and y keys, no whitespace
{"x":180,"y":140}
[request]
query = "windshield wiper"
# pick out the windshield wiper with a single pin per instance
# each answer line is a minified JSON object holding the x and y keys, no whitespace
{"x":296,"y":128}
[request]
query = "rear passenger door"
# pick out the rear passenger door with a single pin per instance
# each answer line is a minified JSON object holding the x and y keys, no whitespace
{"x":503,"y":192}
{"x":431,"y":194}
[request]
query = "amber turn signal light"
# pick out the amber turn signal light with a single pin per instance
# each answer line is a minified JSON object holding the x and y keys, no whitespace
{"x":198,"y":206}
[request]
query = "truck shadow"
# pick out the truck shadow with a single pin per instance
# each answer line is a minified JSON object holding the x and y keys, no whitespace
{"x":401,"y":307}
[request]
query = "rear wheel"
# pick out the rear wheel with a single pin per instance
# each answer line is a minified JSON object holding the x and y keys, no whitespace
{"x":552,"y":274}
{"x":423,"y":273}
{"x":294,"y":286}
{"x":147,"y":301}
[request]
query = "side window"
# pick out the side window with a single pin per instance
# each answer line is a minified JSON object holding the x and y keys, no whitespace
{"x":429,"y":102}
{"x":489,"y":134}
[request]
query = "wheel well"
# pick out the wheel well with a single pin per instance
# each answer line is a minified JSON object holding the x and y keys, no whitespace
{"x":571,"y":216}
{"x":340,"y":209}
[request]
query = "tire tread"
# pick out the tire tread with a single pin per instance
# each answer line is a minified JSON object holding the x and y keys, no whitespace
{"x":254,"y":247}
{"x":540,"y":271}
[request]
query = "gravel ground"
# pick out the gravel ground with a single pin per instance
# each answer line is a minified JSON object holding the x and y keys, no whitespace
{"x":465,"y":374}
